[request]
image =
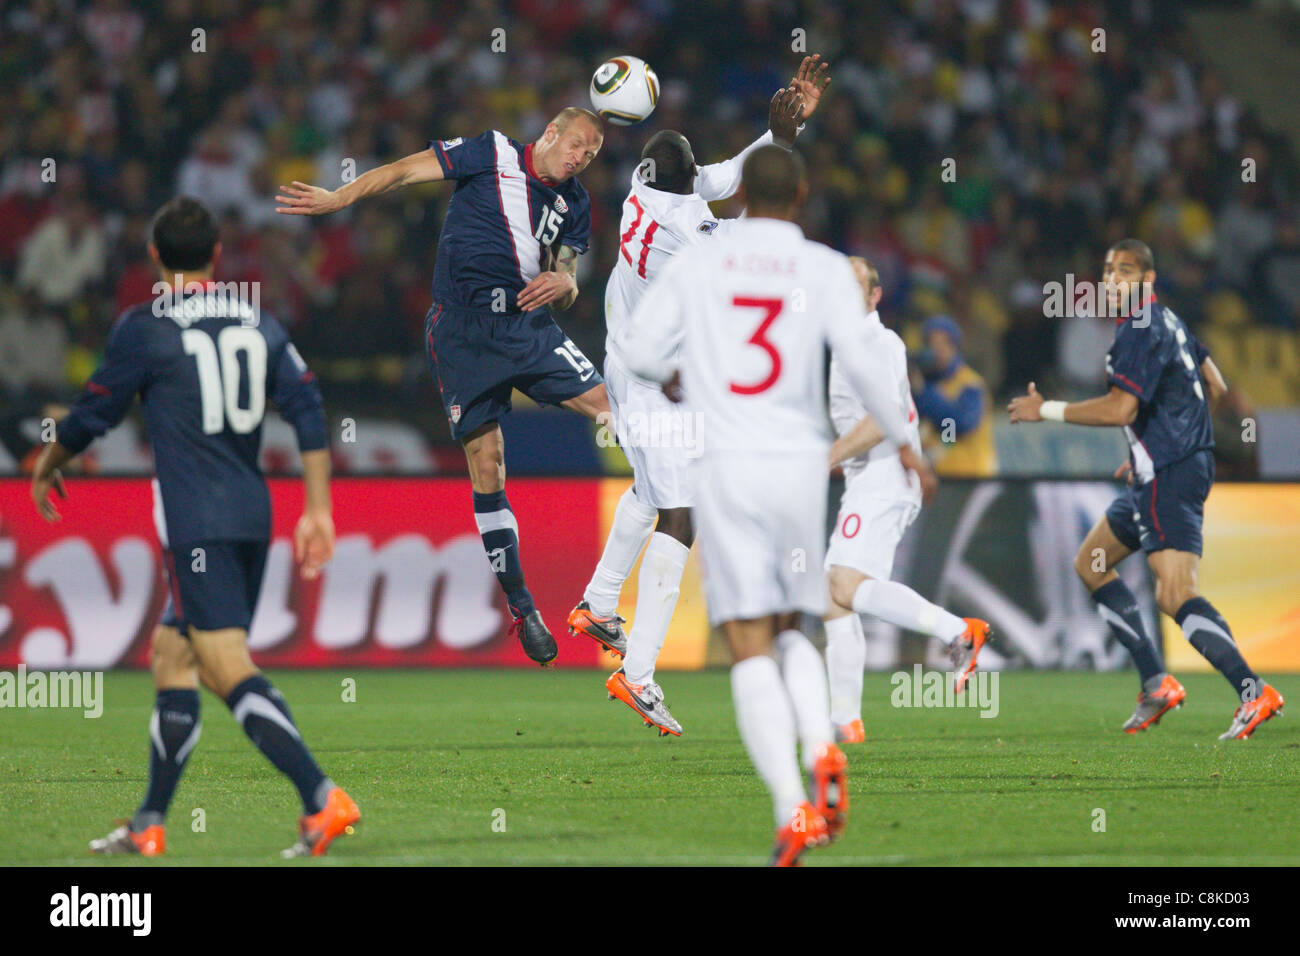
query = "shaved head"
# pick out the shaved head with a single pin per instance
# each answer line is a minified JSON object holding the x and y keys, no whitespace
{"x":668,"y":163}
{"x":567,"y":115}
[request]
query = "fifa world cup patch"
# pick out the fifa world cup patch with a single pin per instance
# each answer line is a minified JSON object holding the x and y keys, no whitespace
{"x":455,"y":414}
{"x":707,"y":226}
{"x":452,"y":143}
{"x":560,"y":205}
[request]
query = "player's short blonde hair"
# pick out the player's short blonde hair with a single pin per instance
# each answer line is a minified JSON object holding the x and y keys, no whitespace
{"x":873,"y":277}
{"x":567,"y":115}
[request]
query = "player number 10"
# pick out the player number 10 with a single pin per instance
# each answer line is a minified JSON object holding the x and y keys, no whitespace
{"x":219,"y":375}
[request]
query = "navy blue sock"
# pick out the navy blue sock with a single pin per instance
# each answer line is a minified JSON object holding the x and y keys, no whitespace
{"x":1119,"y":608}
{"x":261,"y":711}
{"x":1207,"y":631}
{"x":173,"y":731}
{"x":500,"y":533}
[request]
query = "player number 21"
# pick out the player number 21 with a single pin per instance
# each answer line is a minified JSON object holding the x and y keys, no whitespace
{"x":219,"y":375}
{"x":771,"y":309}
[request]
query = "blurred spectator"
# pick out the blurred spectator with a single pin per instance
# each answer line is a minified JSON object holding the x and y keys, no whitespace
{"x":954,"y":405}
{"x":64,"y":255}
{"x":1056,"y":153}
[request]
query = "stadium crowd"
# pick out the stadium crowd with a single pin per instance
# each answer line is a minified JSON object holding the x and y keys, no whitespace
{"x":972,"y":150}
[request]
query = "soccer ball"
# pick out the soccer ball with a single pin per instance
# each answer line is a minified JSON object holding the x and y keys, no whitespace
{"x":624,"y":90}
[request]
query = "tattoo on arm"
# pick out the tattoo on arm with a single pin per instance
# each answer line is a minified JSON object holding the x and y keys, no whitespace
{"x":567,"y":261}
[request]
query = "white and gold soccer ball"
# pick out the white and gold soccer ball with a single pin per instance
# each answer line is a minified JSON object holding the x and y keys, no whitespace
{"x":624,"y":90}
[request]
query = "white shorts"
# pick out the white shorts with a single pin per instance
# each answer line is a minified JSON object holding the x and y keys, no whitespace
{"x":761,"y":521}
{"x":658,"y":437}
{"x":868,"y":530}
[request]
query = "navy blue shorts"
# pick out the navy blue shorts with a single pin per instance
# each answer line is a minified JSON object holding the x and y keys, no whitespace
{"x":1166,"y":511}
{"x":478,"y":358}
{"x":213,"y":584}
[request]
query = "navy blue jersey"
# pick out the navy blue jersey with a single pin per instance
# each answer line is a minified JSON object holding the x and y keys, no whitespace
{"x":203,"y":374}
{"x":1158,"y":361}
{"x":501,"y":222}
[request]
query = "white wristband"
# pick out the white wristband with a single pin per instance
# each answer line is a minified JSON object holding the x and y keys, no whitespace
{"x":1053,"y":411}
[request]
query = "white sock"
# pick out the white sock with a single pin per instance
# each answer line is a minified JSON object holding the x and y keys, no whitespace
{"x":898,"y":604}
{"x":658,"y":585}
{"x":805,"y":680}
{"x":633,"y":522}
{"x":766,"y":725}
{"x":846,"y":658}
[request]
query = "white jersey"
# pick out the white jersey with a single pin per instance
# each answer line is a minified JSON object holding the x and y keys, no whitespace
{"x":753,"y":312}
{"x":878,"y":470}
{"x":656,"y":225}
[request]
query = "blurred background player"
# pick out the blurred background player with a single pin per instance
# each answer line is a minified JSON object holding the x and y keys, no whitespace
{"x":881,"y":500}
{"x":666,"y":211}
{"x":517,"y":211}
{"x":204,"y":372}
{"x":743,"y":323}
{"x":953,"y":403}
{"x":1157,"y":396}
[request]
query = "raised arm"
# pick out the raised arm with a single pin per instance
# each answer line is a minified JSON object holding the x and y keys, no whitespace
{"x":721,"y":180}
{"x":301,"y":199}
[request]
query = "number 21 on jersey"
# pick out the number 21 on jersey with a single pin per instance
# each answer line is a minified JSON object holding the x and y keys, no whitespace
{"x":220,"y":376}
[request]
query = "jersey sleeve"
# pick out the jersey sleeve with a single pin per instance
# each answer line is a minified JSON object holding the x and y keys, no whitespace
{"x":1200,"y":352}
{"x":862,"y":354}
{"x":647,"y":340}
{"x":296,"y":393}
{"x":577,"y":229}
{"x":108,"y":395}
{"x":1135,"y":362}
{"x":461,"y":158}
{"x":721,"y":180}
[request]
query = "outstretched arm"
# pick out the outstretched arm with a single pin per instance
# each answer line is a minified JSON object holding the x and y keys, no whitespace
{"x":1116,"y":407}
{"x":301,"y":199}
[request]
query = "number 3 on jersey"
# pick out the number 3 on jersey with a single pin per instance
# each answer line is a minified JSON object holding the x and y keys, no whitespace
{"x":220,"y":374}
{"x":772,"y":308}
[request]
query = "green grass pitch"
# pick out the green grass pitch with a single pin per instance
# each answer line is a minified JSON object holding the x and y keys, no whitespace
{"x":536,"y":767}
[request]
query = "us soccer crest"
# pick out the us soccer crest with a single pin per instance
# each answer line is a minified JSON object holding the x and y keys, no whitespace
{"x":560,"y":205}
{"x":455,"y":414}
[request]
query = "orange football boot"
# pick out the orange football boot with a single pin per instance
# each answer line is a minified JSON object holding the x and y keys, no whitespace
{"x":605,"y":631}
{"x":851,"y":733}
{"x":1151,"y":707}
{"x":831,"y":788}
{"x":966,"y":650}
{"x":318,"y":831}
{"x":1252,"y":713}
{"x":151,"y":841}
{"x":807,"y":829}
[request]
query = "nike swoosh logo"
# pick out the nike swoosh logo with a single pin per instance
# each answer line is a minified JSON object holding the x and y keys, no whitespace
{"x":587,"y":376}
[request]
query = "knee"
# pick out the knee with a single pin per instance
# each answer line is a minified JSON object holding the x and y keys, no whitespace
{"x":1092,"y":567}
{"x":487,"y":470}
{"x":171,"y":659}
{"x":676,"y":523}
{"x":844,"y":584}
{"x":1172,"y":595}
